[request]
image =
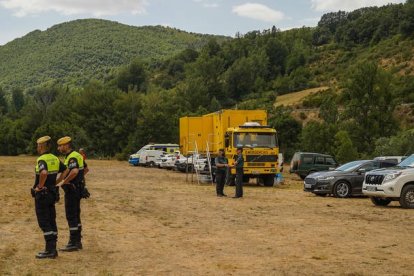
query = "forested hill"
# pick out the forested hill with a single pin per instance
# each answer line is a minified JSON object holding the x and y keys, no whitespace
{"x":77,"y":51}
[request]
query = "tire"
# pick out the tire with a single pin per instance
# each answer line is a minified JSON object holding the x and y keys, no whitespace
{"x":268,"y":180}
{"x":189,"y":168}
{"x":151,"y":164}
{"x":342,"y":189}
{"x":378,"y":201}
{"x":302,"y":176}
{"x":407,"y":197}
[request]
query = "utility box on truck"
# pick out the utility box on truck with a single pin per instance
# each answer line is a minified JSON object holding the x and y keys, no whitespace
{"x":230,"y":129}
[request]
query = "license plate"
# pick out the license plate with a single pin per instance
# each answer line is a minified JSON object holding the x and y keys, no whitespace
{"x":371,"y":188}
{"x":308,"y":186}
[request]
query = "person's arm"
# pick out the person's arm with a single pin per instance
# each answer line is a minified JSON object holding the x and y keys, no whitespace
{"x":73,"y":166}
{"x":63,"y":172}
{"x":42,"y":176}
{"x":220,"y":165}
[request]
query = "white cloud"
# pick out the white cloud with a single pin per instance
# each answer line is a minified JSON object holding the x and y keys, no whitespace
{"x":95,"y":7}
{"x":258,"y":12}
{"x":348,"y":5}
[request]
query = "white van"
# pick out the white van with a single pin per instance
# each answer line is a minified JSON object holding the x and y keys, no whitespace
{"x":151,"y":158}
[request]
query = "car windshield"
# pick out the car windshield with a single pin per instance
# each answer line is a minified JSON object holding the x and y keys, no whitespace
{"x":408,"y":162}
{"x":348,"y":167}
{"x":255,"y":140}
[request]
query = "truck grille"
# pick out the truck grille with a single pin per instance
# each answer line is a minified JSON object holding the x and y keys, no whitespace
{"x":255,"y":164}
{"x":374,"y":179}
{"x":311,"y":181}
{"x":261,"y":158}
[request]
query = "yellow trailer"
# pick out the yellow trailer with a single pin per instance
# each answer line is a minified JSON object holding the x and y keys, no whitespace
{"x":230,"y":129}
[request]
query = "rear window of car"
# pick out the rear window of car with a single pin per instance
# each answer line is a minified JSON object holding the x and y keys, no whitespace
{"x":330,"y":161}
{"x":307,"y":159}
{"x":320,"y":160}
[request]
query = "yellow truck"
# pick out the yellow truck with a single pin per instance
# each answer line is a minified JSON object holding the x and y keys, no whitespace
{"x":228,"y":130}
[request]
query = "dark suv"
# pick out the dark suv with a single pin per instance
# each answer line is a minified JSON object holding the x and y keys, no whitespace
{"x":345,"y":180}
{"x":304,"y":163}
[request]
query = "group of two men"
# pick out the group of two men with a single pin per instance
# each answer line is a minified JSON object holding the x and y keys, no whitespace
{"x":50,"y":174}
{"x":222,"y":165}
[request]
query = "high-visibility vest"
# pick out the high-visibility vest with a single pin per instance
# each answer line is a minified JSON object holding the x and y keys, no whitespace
{"x":51,"y":161}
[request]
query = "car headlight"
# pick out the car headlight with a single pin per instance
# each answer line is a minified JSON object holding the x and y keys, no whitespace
{"x":391,"y":176}
{"x":326,"y":178}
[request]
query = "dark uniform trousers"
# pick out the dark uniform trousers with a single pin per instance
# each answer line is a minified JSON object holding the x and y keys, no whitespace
{"x":239,"y":182}
{"x":72,"y":210}
{"x":46,"y":216}
{"x":220,"y":180}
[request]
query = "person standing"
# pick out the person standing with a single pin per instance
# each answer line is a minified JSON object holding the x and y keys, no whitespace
{"x":239,"y":173}
{"x":72,"y":185}
{"x":48,"y":166}
{"x":221,"y":171}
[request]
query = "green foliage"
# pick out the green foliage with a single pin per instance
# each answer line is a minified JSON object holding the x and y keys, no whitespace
{"x":400,"y":144}
{"x":369,"y":104}
{"x":78,"y":51}
{"x":132,"y":77}
{"x":318,"y":137}
{"x":3,"y":102}
{"x":344,"y":148}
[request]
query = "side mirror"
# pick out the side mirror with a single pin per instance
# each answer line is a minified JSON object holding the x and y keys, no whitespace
{"x":361,"y":171}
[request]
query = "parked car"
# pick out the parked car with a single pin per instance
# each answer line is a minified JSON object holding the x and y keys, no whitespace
{"x":150,"y":158}
{"x":186,"y":164}
{"x":345,"y":180}
{"x":304,"y":163}
{"x":392,"y":184}
{"x":168,"y":161}
{"x":394,"y":159}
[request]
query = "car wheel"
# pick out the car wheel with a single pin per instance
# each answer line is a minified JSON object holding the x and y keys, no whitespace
{"x":407,"y":197}
{"x":151,"y":164}
{"x":378,"y":201}
{"x":342,"y":189}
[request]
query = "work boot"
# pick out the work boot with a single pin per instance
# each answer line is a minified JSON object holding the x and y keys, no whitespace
{"x":71,"y":246}
{"x":79,"y":245}
{"x":50,"y":252}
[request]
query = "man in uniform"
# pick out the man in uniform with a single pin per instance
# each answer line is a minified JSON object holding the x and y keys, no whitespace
{"x":48,"y":166}
{"x":239,"y":173}
{"x":72,"y":185}
{"x":221,"y":171}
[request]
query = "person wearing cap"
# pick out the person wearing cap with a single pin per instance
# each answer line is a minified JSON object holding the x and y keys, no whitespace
{"x":239,"y":173}
{"x":221,"y":171}
{"x":72,"y":186}
{"x":48,"y":166}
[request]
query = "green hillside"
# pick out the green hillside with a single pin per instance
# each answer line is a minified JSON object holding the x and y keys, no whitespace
{"x":77,"y":51}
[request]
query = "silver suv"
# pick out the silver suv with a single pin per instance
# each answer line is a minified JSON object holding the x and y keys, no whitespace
{"x":391,"y":184}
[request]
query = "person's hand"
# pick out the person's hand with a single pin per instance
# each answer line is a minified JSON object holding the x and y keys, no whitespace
{"x":37,"y":189}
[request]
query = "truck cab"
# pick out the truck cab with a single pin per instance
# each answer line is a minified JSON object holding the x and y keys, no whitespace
{"x":260,"y":151}
{"x":391,"y":184}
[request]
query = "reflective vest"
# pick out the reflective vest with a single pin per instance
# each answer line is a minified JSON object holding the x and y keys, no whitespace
{"x":77,"y":156}
{"x":51,"y":161}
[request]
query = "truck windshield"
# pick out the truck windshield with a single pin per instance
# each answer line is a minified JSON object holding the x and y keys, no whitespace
{"x":408,"y":162}
{"x":255,"y":140}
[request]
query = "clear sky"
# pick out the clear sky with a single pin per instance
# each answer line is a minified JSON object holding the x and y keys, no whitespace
{"x":223,"y":17}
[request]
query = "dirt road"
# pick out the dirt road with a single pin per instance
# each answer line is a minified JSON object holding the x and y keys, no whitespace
{"x":148,"y":221}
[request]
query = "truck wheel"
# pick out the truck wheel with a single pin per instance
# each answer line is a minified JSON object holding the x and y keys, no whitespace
{"x":342,"y":189}
{"x":407,"y":197}
{"x":378,"y":201}
{"x":269,"y":180}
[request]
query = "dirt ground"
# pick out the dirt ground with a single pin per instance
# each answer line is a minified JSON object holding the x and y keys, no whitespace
{"x":143,"y":221}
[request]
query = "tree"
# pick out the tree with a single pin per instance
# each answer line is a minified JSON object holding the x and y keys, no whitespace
{"x":3,"y":102}
{"x":133,"y":77}
{"x":318,"y":137}
{"x":344,"y":148}
{"x":17,"y":99}
{"x":369,"y":105}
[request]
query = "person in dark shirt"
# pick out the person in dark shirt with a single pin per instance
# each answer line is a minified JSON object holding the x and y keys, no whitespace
{"x":221,"y":171}
{"x":48,"y":166}
{"x":239,"y":173}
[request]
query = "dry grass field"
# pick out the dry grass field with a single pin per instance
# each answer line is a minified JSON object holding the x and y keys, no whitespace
{"x":152,"y":222}
{"x":297,"y":97}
